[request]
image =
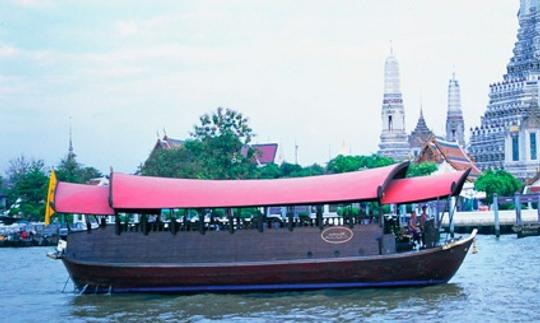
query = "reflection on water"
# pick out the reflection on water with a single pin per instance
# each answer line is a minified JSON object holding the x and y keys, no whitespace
{"x":498,"y":283}
{"x":314,"y":304}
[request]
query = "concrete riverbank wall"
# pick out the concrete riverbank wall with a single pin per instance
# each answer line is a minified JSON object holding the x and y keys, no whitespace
{"x":464,"y":222}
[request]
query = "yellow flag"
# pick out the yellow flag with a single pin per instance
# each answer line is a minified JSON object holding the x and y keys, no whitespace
{"x":50,"y":198}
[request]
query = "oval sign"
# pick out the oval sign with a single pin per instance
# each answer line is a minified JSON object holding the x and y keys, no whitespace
{"x":337,"y":235}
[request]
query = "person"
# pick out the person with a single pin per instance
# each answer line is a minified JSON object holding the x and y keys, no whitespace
{"x":23,"y":235}
{"x":423,"y":221}
{"x":423,"y":218}
{"x":413,"y":227}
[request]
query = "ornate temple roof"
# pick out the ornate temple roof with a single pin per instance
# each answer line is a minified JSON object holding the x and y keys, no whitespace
{"x":264,"y":153}
{"x":421,"y":134}
{"x":515,"y":98}
{"x":440,"y":151}
{"x":525,"y":59}
{"x":169,"y":143}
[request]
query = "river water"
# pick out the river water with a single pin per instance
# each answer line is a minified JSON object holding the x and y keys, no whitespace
{"x":500,"y":283}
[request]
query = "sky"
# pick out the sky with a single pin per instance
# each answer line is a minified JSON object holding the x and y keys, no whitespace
{"x":304,"y":72}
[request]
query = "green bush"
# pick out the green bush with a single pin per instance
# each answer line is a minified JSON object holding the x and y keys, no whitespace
{"x":348,"y":211}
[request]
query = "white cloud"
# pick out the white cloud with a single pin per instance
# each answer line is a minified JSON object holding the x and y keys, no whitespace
{"x":32,"y":3}
{"x":127,"y":28}
{"x":8,"y":51}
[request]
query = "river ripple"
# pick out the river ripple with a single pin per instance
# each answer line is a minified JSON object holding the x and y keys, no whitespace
{"x":500,"y":283}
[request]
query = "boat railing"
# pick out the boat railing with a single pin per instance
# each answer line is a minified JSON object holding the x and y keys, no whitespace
{"x":146,"y":225}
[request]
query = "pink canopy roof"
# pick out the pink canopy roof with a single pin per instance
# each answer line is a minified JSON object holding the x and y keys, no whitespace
{"x":143,"y":192}
{"x":418,"y":189}
{"x":82,"y":199}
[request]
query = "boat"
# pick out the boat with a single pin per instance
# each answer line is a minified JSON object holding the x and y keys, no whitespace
{"x":191,"y":236}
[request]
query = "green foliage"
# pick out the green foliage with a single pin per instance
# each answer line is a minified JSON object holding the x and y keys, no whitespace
{"x":343,"y":164}
{"x":180,"y":162}
{"x":313,"y":170}
{"x":269,"y":171}
{"x":223,"y":134}
{"x":214,"y":152}
{"x":246,"y":212}
{"x":218,"y":213}
{"x":69,"y":170}
{"x":272,"y":171}
{"x":498,"y":182}
{"x":348,"y":211}
{"x":303,"y":216}
{"x":27,"y":188}
{"x":287,"y":169}
{"x":223,"y":123}
{"x":421,"y":169}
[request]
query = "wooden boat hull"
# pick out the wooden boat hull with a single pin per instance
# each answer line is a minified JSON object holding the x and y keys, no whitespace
{"x":416,"y":268}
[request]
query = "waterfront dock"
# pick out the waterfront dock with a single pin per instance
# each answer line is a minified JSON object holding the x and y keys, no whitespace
{"x":464,"y":222}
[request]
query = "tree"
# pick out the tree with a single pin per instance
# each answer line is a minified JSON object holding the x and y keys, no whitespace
{"x":88,"y":172}
{"x":224,"y":151}
{"x":343,"y":164}
{"x":70,"y":170}
{"x":312,"y":170}
{"x":27,"y":188}
{"x":498,"y":182}
{"x":421,"y":169}
{"x":223,"y":122}
{"x":18,"y":167}
{"x":269,"y":171}
{"x":219,"y":149}
{"x":181,"y":162}
{"x":287,"y":169}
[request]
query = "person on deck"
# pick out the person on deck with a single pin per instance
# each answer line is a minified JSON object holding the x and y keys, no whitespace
{"x":413,"y":227}
{"x":423,"y":221}
{"x":423,"y":218}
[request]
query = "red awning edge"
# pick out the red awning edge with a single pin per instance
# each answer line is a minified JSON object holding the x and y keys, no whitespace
{"x":424,"y":188}
{"x":82,"y":199}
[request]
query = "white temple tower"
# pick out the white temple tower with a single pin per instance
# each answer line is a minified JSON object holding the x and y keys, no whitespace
{"x":394,"y":140}
{"x":455,"y":126}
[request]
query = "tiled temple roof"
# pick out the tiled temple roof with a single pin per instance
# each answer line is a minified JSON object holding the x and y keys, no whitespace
{"x":438,"y":151}
{"x":264,"y":153}
{"x":421,"y":134}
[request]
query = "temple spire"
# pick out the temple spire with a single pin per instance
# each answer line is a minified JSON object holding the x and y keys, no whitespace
{"x":391,"y":75}
{"x":420,"y":135}
{"x":455,"y":127}
{"x":70,"y":149}
{"x":454,"y":95}
{"x":393,"y":140}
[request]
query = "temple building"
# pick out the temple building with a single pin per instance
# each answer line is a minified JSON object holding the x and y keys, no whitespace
{"x":455,"y":126}
{"x":167,"y":143}
{"x":449,"y":157}
{"x":521,"y":147}
{"x":422,"y":144}
{"x":393,"y":140}
{"x":264,"y":153}
{"x":420,"y":136}
{"x":508,"y":130}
